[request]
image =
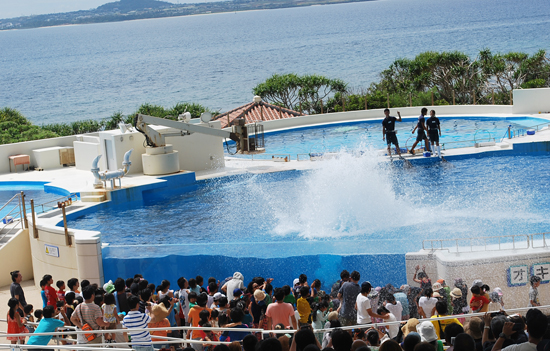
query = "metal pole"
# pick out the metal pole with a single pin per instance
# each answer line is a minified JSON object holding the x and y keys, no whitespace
{"x":24,"y":211}
{"x":67,"y":237}
{"x":34,"y":230}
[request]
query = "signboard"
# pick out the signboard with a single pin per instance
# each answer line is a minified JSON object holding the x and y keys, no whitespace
{"x":541,"y":270}
{"x":51,"y":250}
{"x":518,"y":275}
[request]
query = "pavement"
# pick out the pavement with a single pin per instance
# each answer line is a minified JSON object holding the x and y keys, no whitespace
{"x":32,"y":295}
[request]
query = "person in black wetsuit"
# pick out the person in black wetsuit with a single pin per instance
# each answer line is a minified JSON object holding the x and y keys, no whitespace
{"x":388,"y":131}
{"x":421,"y":127}
{"x":434,"y":131}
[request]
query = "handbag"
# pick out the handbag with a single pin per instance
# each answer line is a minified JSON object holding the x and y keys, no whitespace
{"x":86,"y":327}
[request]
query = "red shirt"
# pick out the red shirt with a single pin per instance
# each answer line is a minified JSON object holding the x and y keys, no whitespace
{"x":61,"y":295}
{"x":51,"y":295}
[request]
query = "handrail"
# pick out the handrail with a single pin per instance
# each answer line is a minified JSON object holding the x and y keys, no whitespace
{"x":71,"y":195}
{"x":471,"y":240}
{"x":13,"y":197}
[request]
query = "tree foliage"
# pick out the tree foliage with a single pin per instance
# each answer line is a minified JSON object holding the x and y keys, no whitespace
{"x":299,"y":92}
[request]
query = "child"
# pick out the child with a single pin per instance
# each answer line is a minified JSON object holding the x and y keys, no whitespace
{"x":43,"y":293}
{"x":15,"y":322}
{"x":50,"y":292}
{"x":478,"y":301}
{"x":192,"y":296}
{"x":533,"y":291}
{"x":61,"y":290}
{"x":393,"y":329}
{"x":38,"y":315}
{"x":394,"y":306}
{"x":28,"y":309}
{"x":302,"y":305}
{"x":110,"y":315}
{"x":319,"y":316}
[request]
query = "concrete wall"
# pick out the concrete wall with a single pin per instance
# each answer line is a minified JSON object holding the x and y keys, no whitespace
{"x":86,"y":149}
{"x":82,"y":260}
{"x":338,"y":117}
{"x":489,"y":266}
{"x":16,"y":256}
{"x":122,"y":142}
{"x":532,"y":100}
{"x":26,"y":149}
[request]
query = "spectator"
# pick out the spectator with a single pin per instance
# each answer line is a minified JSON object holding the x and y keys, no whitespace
{"x":51,"y":294}
{"x":394,"y":306}
{"x":393,"y":329}
{"x":464,"y":296}
{"x":533,"y":291}
{"x":451,"y":331}
{"x":280,"y":312}
{"x":237,"y":315}
{"x":48,"y":324}
{"x":401,"y":296}
{"x":73,"y":286}
{"x":89,"y":313}
{"x":427,"y":334}
{"x":16,"y":291}
{"x":537,"y":323}
{"x":302,"y":305}
{"x":411,"y":341}
{"x":15,"y":322}
{"x":422,"y":278}
{"x":236,"y":283}
{"x":475,"y":329}
{"x":478,"y":302}
{"x":141,"y":340}
{"x":463,"y":342}
{"x":348,"y":295}
{"x":440,"y":325}
{"x":426,"y":304}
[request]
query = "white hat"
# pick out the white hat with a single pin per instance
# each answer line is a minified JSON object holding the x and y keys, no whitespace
{"x":498,"y":291}
{"x":218,"y":296}
{"x":296,"y":282}
{"x":436,"y":286}
{"x":427,"y":331}
{"x":478,"y":282}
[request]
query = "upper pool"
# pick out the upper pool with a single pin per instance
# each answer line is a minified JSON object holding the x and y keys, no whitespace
{"x":37,"y":191}
{"x":455,"y":132}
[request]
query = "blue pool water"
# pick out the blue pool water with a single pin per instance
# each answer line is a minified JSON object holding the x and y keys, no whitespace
{"x":33,"y":190}
{"x":455,"y":132}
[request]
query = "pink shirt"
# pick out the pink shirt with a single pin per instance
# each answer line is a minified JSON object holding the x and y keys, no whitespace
{"x":280,"y":312}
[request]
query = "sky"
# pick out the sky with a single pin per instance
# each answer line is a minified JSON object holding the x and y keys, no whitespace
{"x":16,"y":8}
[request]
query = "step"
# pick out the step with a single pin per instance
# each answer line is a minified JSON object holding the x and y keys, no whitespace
{"x":92,"y":198}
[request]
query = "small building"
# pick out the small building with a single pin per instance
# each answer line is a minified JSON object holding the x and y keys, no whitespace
{"x":256,"y":111}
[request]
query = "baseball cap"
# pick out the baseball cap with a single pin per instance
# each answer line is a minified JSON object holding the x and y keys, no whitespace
{"x":237,"y":292}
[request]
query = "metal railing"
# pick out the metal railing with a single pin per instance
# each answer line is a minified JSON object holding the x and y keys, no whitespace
{"x":174,"y":340}
{"x":490,"y":243}
{"x":15,"y":214}
{"x":45,"y":207}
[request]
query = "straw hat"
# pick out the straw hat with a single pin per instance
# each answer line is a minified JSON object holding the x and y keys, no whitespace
{"x":456,"y":293}
{"x":427,"y":331}
{"x":410,"y":326}
{"x":259,"y":295}
{"x":474,"y":328}
{"x":159,"y":312}
{"x":332,"y":316}
{"x":436,"y":295}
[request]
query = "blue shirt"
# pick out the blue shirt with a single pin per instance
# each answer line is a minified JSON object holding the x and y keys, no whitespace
{"x":46,"y":325}
{"x":234,"y":335}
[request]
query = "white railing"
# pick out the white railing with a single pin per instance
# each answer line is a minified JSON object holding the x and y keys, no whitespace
{"x":172,"y":340}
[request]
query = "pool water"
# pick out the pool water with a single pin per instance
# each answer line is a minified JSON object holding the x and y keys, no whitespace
{"x":455,"y":132}
{"x":33,"y":190}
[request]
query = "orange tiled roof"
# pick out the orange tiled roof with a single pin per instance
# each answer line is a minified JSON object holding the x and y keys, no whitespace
{"x":256,"y":112}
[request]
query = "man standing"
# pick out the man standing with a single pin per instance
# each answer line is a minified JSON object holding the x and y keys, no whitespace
{"x":141,"y":340}
{"x":16,"y":290}
{"x":280,"y":312}
{"x":434,"y":131}
{"x":388,"y":131}
{"x":348,"y":296}
{"x":421,"y":127}
{"x":48,"y":324}
{"x":89,"y":313}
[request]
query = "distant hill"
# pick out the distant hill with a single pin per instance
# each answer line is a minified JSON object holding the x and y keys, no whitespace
{"x":125,"y":6}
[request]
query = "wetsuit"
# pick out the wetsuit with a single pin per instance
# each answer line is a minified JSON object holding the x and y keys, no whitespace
{"x":389,"y":124}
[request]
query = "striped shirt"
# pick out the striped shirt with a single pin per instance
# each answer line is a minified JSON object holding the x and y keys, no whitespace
{"x":138,"y":320}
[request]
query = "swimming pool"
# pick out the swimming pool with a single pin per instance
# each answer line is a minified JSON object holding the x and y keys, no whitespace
{"x":359,"y":135}
{"x":37,"y":191}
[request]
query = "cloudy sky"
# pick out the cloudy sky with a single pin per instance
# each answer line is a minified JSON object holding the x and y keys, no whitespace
{"x":16,"y":8}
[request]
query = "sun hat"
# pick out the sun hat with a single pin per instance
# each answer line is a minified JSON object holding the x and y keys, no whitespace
{"x":218,"y":296}
{"x":456,"y":293}
{"x":237,"y":292}
{"x":478,"y":282}
{"x":436,"y":286}
{"x":436,"y":294}
{"x":159,"y":312}
{"x":259,"y":295}
{"x":332,"y":316}
{"x":498,"y":291}
{"x":427,"y":331}
{"x":410,"y":326}
{"x":474,"y":328}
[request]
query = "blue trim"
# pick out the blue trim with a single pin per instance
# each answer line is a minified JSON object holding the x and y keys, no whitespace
{"x":509,"y":275}
{"x":545,"y":281}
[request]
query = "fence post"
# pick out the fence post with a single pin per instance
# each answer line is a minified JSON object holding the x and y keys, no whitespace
{"x":493,"y":93}
{"x":366,"y":106}
{"x":321,"y":106}
{"x":453,"y":97}
{"x":24,"y":214}
{"x":474,"y":96}
{"x":68,"y":241}
{"x":410,"y":100}
{"x":343,"y":103}
{"x":511,"y":98}
{"x":388,"y":100}
{"x":432,"y":98}
{"x":34,"y":230}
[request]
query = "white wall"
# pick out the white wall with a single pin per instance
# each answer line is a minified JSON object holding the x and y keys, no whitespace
{"x":532,"y":101}
{"x":122,"y":143}
{"x":26,"y":149}
{"x":16,"y":255}
{"x":85,"y":153}
{"x":82,"y":260}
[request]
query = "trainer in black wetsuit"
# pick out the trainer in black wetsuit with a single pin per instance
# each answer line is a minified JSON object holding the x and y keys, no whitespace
{"x":421,"y":127}
{"x":434,"y":131}
{"x":388,"y":131}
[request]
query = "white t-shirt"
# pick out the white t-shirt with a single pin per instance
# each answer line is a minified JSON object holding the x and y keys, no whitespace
{"x":526,"y":346}
{"x":393,"y":329}
{"x":427,"y":304}
{"x":363,"y":305}
{"x":396,"y":310}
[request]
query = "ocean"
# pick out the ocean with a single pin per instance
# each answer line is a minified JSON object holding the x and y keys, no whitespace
{"x":69,"y":73}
